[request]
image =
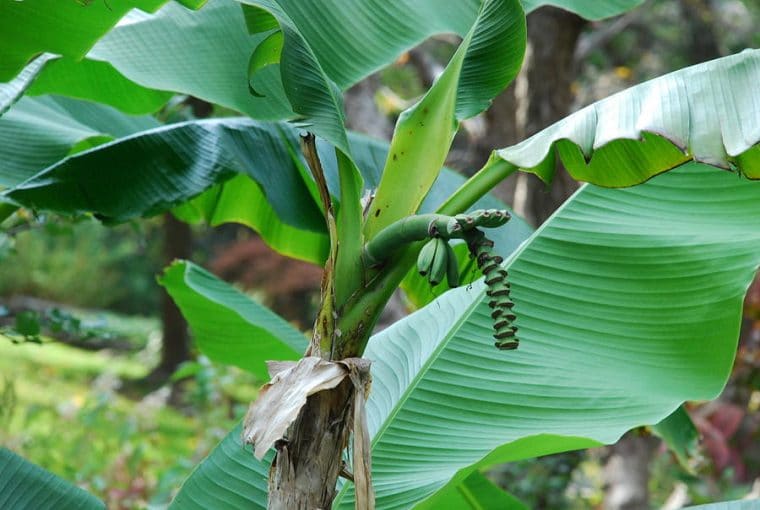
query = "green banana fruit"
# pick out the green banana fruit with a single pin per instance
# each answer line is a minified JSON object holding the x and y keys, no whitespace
{"x":438,"y":267}
{"x":426,"y":257}
{"x":452,"y":267}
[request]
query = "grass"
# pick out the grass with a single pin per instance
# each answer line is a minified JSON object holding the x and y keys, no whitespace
{"x":60,"y":408}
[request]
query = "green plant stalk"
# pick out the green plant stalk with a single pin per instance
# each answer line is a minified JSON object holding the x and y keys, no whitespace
{"x":402,"y":232}
{"x":423,"y":226}
{"x":358,"y":317}
{"x":476,"y":187}
{"x":395,"y":249}
{"x":323,"y":335}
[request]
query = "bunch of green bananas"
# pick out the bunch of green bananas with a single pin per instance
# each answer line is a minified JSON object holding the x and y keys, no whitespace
{"x":438,"y":260}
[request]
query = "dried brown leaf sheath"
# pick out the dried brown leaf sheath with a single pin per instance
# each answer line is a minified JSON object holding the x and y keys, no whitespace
{"x":282,"y":398}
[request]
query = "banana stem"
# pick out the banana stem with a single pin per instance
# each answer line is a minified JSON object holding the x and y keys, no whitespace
{"x":477,"y":186}
{"x":423,"y":226}
{"x":402,"y":232}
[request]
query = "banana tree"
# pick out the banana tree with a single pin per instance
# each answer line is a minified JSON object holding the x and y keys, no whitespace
{"x":608,"y":299}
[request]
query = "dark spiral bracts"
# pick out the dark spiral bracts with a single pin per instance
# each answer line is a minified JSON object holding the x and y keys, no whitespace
{"x":489,"y":264}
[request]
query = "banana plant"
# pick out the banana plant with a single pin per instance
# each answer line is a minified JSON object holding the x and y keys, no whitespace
{"x":607,"y":300}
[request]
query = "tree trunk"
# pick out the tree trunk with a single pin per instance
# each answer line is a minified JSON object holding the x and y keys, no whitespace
{"x":626,"y":472}
{"x":703,"y":45}
{"x":552,"y":34}
{"x":175,"y":345}
{"x":308,"y":462}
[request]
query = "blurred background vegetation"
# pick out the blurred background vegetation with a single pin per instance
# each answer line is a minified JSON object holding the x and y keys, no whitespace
{"x":99,"y":382}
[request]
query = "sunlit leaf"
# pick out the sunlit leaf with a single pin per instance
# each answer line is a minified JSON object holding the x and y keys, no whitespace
{"x":228,"y":326}
{"x":96,"y":81}
{"x":628,"y":304}
{"x":64,"y":27}
{"x":13,"y":90}
{"x":707,"y":113}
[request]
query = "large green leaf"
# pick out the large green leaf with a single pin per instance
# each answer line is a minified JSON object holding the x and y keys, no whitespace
{"x":489,"y":59}
{"x":228,"y":326}
{"x":486,"y":60}
{"x":68,"y":27}
{"x":348,"y":45}
{"x":37,"y":133}
{"x":628,"y":303}
{"x":25,"y":486}
{"x":229,"y":478}
{"x":165,"y":51}
{"x":96,"y":81}
{"x":708,"y":112}
{"x":154,"y":170}
{"x":179,"y":42}
{"x":313,"y":96}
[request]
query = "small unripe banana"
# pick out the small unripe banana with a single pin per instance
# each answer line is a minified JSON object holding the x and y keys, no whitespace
{"x":426,"y":256}
{"x":440,"y":262}
{"x":452,"y":267}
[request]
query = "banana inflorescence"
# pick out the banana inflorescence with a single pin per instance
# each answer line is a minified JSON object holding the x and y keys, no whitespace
{"x":437,"y":258}
{"x":495,"y":276}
